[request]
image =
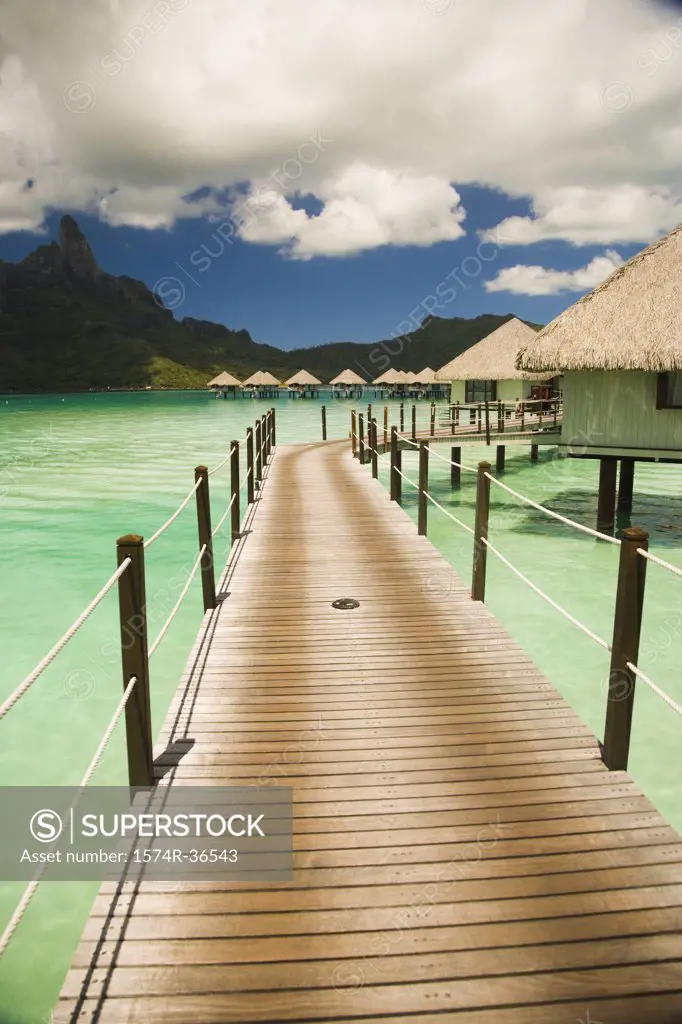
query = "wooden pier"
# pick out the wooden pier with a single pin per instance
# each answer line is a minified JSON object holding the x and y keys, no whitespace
{"x":462,"y":854}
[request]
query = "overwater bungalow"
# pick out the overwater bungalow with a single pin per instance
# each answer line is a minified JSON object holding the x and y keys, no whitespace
{"x":304,"y":385}
{"x":262,"y":384}
{"x":487,"y":371}
{"x":620,"y":350}
{"x":347,"y":384}
{"x":388,"y":383}
{"x":431,"y":387}
{"x":225,"y":384}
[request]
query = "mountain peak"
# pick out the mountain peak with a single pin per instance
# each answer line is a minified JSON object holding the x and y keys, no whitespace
{"x":79,"y":258}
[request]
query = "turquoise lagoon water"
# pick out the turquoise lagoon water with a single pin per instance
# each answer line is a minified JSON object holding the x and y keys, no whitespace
{"x":78,"y":471}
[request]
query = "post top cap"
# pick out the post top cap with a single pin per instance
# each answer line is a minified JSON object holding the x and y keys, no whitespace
{"x":201,"y":469}
{"x":130,"y":540}
{"x":634,"y":533}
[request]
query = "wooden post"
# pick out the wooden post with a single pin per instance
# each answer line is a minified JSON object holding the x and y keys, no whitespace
{"x":273,"y":428}
{"x":534,"y":453}
{"x":414,"y":422}
{"x":259,"y":461}
{"x":625,"y":648}
{"x":396,"y":464}
{"x":324,"y":422}
{"x":626,"y":484}
{"x":361,"y":438}
{"x":265,"y":438}
{"x":250,"y":466}
{"x":354,"y":432}
{"x":235,"y":512}
{"x":204,"y":523}
{"x":478,"y":418}
{"x":606,"y":506}
{"x":457,"y":414}
{"x":132,"y":602}
{"x":374,"y":445}
{"x":499,"y":458}
{"x":369,"y":416}
{"x":385,"y":427}
{"x":455,"y":471}
{"x":433,"y":419}
{"x":487,"y":423}
{"x":402,"y":417}
{"x":500,"y":417}
{"x":423,"y":487}
{"x":523,"y":415}
{"x":555,"y":413}
{"x":481,"y":532}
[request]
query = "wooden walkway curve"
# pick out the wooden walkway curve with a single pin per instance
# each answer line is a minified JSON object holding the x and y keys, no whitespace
{"x":462,"y":856}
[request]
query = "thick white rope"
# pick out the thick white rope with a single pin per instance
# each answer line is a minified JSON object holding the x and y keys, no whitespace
{"x":659,"y":561}
{"x":449,"y":514}
{"x":540,"y":593}
{"x":169,"y":522}
{"x":61,"y":644}
{"x":657,"y":690}
{"x":406,"y":478}
{"x":225,"y":460}
{"x":555,"y":515}
{"x":32,"y":887}
{"x":224,"y":516}
{"x":164,"y":628}
{"x":460,"y":465}
{"x":245,"y":480}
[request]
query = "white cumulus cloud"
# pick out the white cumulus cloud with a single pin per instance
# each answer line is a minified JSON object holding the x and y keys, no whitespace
{"x":528,"y":280}
{"x":126,"y":107}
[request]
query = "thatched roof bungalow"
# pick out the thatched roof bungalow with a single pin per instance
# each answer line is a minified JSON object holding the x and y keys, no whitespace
{"x":487,"y":370}
{"x":347,"y":383}
{"x":620,"y":349}
{"x":263,"y":384}
{"x":303,"y":379}
{"x":224,"y":384}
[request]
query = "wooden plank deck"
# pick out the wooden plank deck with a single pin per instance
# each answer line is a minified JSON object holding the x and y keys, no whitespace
{"x":462,"y":856}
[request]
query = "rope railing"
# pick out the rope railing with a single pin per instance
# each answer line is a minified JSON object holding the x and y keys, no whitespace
{"x":555,"y":515}
{"x":225,"y":514}
{"x":30,"y":679}
{"x":448,"y":514}
{"x":629,"y":599}
{"x":32,"y":887}
{"x":225,"y":461}
{"x":451,"y":462}
{"x":169,"y":522}
{"x":657,"y":690}
{"x":164,"y":628}
{"x":545,"y":597}
{"x":659,"y":561}
{"x":130,"y":576}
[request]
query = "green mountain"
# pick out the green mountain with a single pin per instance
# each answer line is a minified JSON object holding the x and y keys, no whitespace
{"x":66,"y":325}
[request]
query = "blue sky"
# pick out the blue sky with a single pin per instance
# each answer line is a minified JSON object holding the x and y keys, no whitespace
{"x":359,"y":158}
{"x":361,"y":297}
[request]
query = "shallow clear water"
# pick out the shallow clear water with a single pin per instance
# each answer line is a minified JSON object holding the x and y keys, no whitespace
{"x":78,"y":471}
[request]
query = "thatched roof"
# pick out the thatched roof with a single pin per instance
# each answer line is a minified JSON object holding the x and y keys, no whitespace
{"x":389,"y":377}
{"x":493,"y":358}
{"x":224,"y":380}
{"x":630,"y":322}
{"x":262,"y":377}
{"x":410,"y":377}
{"x":303,"y":377}
{"x":347,"y":377}
{"x":427,"y":376}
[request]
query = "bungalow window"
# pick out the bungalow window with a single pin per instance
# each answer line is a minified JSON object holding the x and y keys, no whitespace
{"x":669,"y":391}
{"x":480,"y":391}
